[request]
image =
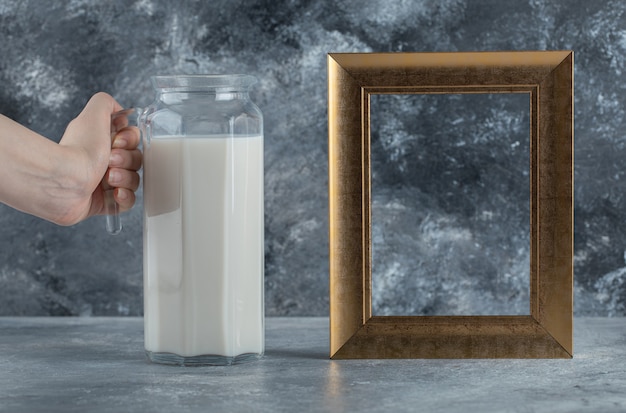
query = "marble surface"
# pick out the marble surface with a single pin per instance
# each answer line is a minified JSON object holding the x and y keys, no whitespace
{"x":450,"y":204}
{"x":69,"y":364}
{"x":55,"y":55}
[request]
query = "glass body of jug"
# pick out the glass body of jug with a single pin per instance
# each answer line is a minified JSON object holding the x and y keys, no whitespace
{"x":203,"y":221}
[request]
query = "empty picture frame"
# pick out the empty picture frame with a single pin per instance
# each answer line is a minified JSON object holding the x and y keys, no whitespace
{"x":547,"y":77}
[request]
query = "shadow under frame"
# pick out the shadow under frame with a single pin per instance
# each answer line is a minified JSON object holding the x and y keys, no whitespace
{"x":548,"y":78}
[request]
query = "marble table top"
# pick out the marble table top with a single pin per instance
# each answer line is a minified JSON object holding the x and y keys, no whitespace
{"x":98,"y":365}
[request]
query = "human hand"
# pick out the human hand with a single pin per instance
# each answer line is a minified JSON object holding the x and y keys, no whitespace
{"x":106,"y":163}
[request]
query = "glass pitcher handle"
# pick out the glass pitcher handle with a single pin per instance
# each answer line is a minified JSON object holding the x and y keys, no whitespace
{"x":119,"y":121}
{"x":112,"y":211}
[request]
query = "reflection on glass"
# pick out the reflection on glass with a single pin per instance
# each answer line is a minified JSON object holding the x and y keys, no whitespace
{"x":450,"y":204}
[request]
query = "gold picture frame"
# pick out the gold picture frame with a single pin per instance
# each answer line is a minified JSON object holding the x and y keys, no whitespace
{"x":548,"y":78}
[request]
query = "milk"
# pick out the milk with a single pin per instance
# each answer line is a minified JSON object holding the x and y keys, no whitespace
{"x":203,"y":248}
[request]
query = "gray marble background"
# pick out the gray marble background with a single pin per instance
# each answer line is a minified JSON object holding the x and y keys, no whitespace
{"x":443,"y":244}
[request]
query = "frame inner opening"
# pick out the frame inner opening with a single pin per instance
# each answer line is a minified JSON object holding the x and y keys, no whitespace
{"x":450,"y":204}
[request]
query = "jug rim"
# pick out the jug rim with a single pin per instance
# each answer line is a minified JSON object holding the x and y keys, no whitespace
{"x":178,"y":83}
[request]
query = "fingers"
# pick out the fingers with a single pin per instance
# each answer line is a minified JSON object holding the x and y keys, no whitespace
{"x":123,"y":167}
{"x":126,"y":138}
{"x":125,"y":198}
{"x":123,"y":178}
{"x":119,"y":120}
{"x":125,"y":159}
{"x":124,"y":162}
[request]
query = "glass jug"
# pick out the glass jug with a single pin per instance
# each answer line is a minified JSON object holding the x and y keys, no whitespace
{"x":203,"y":220}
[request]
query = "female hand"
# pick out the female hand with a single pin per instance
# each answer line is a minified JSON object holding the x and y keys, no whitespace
{"x":111,"y":163}
{"x":63,"y":183}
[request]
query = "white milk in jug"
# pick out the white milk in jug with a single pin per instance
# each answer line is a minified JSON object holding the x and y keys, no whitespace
{"x":203,"y":249}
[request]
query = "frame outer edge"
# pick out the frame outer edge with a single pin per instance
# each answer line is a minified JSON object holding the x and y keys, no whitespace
{"x":345,"y":200}
{"x":556,"y":197}
{"x":552,"y":72}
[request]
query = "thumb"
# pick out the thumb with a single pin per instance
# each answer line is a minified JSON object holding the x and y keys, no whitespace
{"x":90,"y":130}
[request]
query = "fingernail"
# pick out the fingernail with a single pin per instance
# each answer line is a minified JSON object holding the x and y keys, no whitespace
{"x":122,"y":194}
{"x":119,"y":143}
{"x":114,"y":177}
{"x":116,"y":159}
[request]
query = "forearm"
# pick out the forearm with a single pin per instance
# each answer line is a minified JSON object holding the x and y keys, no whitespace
{"x":35,"y":175}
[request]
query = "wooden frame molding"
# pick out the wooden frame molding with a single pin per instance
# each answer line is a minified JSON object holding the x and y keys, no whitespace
{"x":548,"y":78}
